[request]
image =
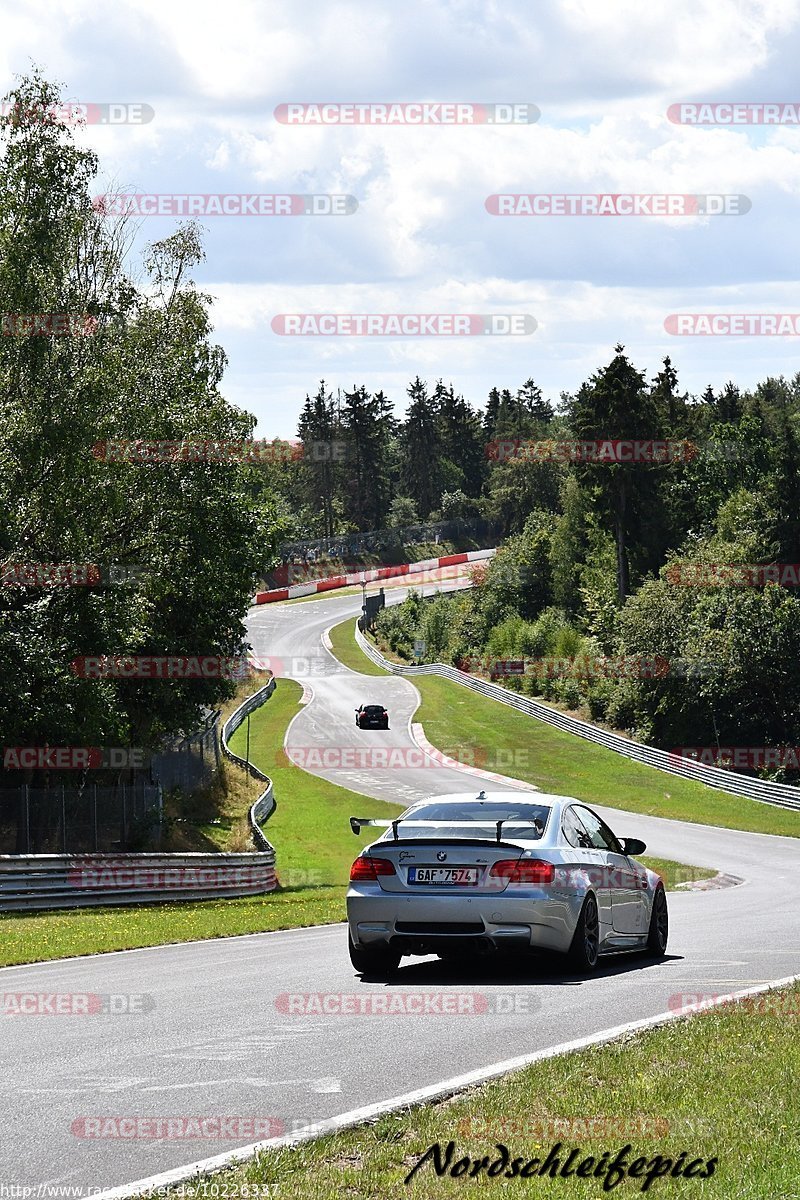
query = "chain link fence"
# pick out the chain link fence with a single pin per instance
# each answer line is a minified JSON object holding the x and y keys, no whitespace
{"x":67,"y":819}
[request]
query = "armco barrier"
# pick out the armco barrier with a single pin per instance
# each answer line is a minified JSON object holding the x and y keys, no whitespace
{"x":737,"y":785}
{"x":30,"y":882}
{"x":266,"y":803}
{"x":371,"y":575}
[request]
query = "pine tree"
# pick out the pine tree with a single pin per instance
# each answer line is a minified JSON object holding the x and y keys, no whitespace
{"x":420,"y":470}
{"x":616,"y":404}
{"x":317,"y":430}
{"x":366,"y":427}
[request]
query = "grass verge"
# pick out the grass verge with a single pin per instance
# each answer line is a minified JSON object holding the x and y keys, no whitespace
{"x":313,"y":869}
{"x":479,"y":729}
{"x":683,"y":1092}
{"x":344,"y":646}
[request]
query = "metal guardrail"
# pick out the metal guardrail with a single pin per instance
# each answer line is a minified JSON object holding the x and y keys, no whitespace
{"x":31,"y":882}
{"x":266,"y":803}
{"x":780,"y":794}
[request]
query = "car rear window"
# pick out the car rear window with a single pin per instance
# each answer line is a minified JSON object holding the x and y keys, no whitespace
{"x":526,"y":821}
{"x":374,"y":708}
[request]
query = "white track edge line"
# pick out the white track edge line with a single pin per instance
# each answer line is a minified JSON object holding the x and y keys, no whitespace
{"x":432,"y":1092}
{"x":213,"y":941}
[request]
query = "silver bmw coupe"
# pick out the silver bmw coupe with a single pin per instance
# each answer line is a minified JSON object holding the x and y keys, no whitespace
{"x":501,"y":871}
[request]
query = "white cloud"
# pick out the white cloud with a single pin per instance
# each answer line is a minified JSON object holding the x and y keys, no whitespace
{"x":603,"y":75}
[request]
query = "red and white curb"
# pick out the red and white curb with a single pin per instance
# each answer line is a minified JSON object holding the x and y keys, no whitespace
{"x":418,"y":735}
{"x":371,"y":576}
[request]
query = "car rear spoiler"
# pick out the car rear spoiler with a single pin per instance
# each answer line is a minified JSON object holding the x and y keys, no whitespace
{"x":356,"y":824}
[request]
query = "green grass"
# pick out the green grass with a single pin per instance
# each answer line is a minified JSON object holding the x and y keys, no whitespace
{"x":346,"y":650}
{"x":692,"y":1086}
{"x":310,"y":829}
{"x":675,"y":875}
{"x":313,"y":869}
{"x":562,"y":763}
{"x":483,"y":730}
{"x":41,"y":937}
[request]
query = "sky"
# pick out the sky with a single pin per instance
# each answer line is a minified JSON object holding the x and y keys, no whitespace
{"x":420,"y":239}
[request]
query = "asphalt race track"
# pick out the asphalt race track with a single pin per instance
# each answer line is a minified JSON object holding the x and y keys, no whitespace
{"x":218,"y":1040}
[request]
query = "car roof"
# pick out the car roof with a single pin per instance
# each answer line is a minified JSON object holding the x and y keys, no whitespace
{"x":548,"y":799}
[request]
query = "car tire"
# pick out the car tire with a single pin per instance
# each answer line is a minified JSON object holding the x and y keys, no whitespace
{"x":584,"y":950}
{"x":658,"y":932}
{"x":373,"y":964}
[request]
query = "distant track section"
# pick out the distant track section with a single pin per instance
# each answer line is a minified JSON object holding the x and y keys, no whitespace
{"x":371,"y":575}
{"x":780,"y":794}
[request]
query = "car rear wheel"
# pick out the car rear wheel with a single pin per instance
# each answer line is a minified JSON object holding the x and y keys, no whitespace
{"x":376,"y":964}
{"x":659,"y":924}
{"x":585,"y":948}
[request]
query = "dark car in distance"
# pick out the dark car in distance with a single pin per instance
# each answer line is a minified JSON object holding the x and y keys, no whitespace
{"x":372,"y":716}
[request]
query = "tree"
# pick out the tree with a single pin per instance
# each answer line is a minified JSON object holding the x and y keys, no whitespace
{"x":456,"y":505}
{"x":147,"y":371}
{"x":420,"y":437}
{"x":462,"y":457}
{"x":402,"y":512}
{"x":366,"y":425}
{"x":529,"y":397}
{"x":569,"y":545}
{"x":318,"y":429}
{"x":615,"y":404}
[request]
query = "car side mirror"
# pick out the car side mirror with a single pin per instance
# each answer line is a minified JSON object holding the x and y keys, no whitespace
{"x":633,"y":846}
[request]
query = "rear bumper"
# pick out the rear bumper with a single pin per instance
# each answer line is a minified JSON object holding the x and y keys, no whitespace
{"x":529,"y":920}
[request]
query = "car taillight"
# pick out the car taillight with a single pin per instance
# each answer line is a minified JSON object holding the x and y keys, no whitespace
{"x":523,"y":870}
{"x":365,"y":869}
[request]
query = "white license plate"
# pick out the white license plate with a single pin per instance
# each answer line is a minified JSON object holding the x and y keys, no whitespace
{"x":442,"y":876}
